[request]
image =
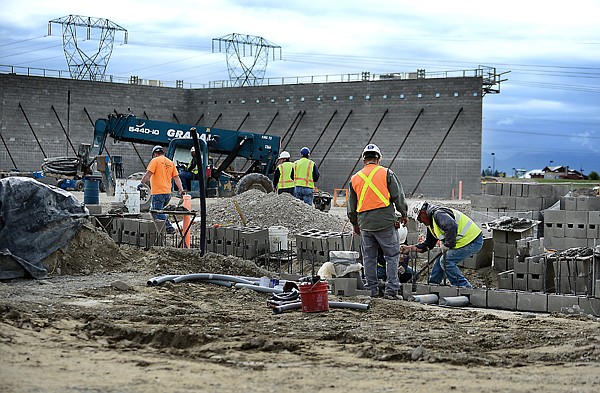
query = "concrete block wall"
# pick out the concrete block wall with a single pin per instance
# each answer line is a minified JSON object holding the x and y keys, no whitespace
{"x":336,"y":121}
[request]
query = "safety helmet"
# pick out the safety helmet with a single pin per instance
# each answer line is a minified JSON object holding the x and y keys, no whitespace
{"x":415,"y":208}
{"x":371,"y":148}
{"x":305,"y":151}
{"x":157,"y":148}
{"x":284,"y":154}
{"x":192,"y":150}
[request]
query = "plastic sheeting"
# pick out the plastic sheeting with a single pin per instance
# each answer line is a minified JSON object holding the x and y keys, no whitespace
{"x":35,"y":220}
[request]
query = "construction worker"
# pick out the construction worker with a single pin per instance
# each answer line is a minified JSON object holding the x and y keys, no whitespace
{"x":306,"y":174}
{"x":160,"y":172}
{"x":283,"y":178}
{"x":458,"y":235}
{"x":374,"y":196}
{"x":190,"y":172}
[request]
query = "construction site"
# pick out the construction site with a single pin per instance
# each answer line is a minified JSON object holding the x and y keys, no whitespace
{"x":258,"y":291}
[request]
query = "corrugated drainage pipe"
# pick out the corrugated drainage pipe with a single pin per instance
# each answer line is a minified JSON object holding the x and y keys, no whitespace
{"x":210,"y":276}
{"x":454,"y":301}
{"x":430,"y":298}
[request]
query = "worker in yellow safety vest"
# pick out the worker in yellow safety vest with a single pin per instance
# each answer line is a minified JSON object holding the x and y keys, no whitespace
{"x":458,"y":235}
{"x":306,"y":174}
{"x":374,"y":196}
{"x":190,"y":172}
{"x":283,"y":177}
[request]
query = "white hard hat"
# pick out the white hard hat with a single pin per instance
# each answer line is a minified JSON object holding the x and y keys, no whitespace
{"x":371,"y":148}
{"x":414,"y":209}
{"x":402,"y":233}
{"x":284,"y":154}
{"x":157,"y":148}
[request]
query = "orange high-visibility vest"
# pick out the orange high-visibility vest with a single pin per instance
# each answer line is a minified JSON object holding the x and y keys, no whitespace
{"x":303,"y":173}
{"x":285,"y":175}
{"x":370,"y":185}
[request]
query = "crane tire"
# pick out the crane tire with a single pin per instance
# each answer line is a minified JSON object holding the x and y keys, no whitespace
{"x":256,"y":181}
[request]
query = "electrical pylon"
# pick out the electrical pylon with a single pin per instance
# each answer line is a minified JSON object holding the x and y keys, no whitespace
{"x":238,"y":46}
{"x":84,"y":58}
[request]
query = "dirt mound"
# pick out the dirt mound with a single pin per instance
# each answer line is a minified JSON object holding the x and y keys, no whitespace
{"x":271,"y":209}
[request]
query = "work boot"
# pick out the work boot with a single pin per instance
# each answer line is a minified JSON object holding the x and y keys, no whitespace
{"x":393,"y":296}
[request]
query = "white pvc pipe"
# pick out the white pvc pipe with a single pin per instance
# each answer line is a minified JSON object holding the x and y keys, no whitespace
{"x":454,"y":301}
{"x":430,"y":298}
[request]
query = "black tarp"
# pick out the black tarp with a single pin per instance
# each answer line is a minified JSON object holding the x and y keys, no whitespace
{"x":35,"y":220}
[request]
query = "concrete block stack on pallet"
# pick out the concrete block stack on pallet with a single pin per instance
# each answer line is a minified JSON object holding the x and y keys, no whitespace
{"x":505,"y":243}
{"x":133,"y":231}
{"x":314,"y":244}
{"x":576,"y":224}
{"x":246,"y":242}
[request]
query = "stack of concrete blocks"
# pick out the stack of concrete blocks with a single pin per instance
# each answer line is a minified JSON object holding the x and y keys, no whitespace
{"x":575,"y":276}
{"x":346,"y":284}
{"x":505,"y":247}
{"x":246,"y":242}
{"x":531,"y":272}
{"x":576,"y":224}
{"x":522,"y":200}
{"x":137,"y":232}
{"x":314,"y":244}
{"x":413,"y":232}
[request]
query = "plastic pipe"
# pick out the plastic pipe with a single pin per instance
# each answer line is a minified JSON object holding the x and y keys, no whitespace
{"x":430,"y":298}
{"x":161,"y":279}
{"x":210,"y":276}
{"x":286,"y":307}
{"x":460,"y":189}
{"x":187,"y":221}
{"x":354,"y":306}
{"x":454,"y":301}
{"x":258,"y":288}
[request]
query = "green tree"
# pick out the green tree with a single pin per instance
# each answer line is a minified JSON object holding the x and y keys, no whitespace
{"x":594,"y":175}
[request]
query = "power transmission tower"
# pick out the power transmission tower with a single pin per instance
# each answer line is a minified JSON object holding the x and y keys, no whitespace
{"x":85,"y":59}
{"x":238,"y":46}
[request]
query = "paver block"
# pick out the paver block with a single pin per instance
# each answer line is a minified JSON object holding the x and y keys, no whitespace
{"x":556,"y":302}
{"x":532,"y":301}
{"x":503,"y":300}
{"x":477,"y":296}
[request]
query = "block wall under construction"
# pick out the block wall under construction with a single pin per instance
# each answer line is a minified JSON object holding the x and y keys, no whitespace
{"x":428,"y":129}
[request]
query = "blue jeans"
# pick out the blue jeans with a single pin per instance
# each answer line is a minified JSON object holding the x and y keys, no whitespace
{"x":186,"y":179}
{"x":159,"y":201}
{"x":305,"y":194}
{"x":370,"y":241}
{"x":453,"y":257}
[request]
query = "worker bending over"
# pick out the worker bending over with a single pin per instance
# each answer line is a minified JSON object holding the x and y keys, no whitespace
{"x":459,"y":239}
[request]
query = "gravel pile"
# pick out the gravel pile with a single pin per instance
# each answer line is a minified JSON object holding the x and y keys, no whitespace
{"x":271,"y":209}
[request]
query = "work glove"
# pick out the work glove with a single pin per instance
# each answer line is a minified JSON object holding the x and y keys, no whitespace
{"x":140,"y":186}
{"x":443,"y":247}
{"x":181,"y":193}
{"x":401,"y":270}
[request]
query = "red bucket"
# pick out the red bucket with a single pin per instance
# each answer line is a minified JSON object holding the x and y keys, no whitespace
{"x":314,"y":297}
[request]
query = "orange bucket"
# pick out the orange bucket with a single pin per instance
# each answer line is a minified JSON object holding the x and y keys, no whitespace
{"x":314,"y":297}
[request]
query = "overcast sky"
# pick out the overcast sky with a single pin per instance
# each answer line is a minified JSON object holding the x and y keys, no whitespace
{"x":548,"y":109}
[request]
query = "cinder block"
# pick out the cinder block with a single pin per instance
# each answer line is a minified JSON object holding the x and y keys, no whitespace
{"x":568,"y":203}
{"x":512,"y":237}
{"x":577,"y":230}
{"x":529,"y":204}
{"x":520,"y":281}
{"x":592,"y":231}
{"x":582,"y":203}
{"x":535,"y":265}
{"x":516,"y":189}
{"x":503,"y":300}
{"x":477,"y":296}
{"x":482,"y":259}
{"x":521,"y":265}
{"x":590,"y":305}
{"x":346,"y":287}
{"x":500,"y":264}
{"x":94,"y":210}
{"x":419,"y":289}
{"x":505,"y":250}
{"x":443,"y":290}
{"x":535,"y":282}
{"x":532,"y":301}
{"x":557,"y":302}
{"x":505,"y":280}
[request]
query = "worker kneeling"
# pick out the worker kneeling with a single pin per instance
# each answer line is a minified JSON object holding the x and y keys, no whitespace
{"x":459,"y":237}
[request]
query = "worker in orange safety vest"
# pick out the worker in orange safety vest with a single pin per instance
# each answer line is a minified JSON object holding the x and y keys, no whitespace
{"x":374,"y":196}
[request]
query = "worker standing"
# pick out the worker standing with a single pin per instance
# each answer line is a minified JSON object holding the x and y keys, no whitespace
{"x":306,"y":174}
{"x":160,"y":172}
{"x":459,"y":239}
{"x":283,"y":178}
{"x":374,"y":196}
{"x":191,"y":171}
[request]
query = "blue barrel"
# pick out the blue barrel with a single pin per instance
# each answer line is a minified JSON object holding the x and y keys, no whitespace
{"x":91,"y":192}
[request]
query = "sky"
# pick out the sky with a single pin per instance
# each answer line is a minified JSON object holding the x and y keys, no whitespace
{"x":547,"y":111}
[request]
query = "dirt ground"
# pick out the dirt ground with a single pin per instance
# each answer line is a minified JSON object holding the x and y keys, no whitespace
{"x":96,"y":326}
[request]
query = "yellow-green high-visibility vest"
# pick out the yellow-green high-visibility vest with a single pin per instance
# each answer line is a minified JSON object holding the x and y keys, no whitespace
{"x":466,"y":233}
